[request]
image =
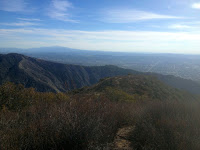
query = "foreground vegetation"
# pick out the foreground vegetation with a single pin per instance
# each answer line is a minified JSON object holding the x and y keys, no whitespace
{"x":33,"y":120}
{"x":173,"y":126}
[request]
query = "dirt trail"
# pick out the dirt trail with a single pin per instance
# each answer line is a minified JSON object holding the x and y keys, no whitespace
{"x":121,"y":141}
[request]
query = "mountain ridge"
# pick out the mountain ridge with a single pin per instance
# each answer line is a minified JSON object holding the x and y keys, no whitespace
{"x":50,"y":76}
{"x":134,"y":88}
{"x":57,"y":77}
{"x":186,"y":66}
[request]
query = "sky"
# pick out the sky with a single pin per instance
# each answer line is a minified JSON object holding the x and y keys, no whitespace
{"x":164,"y":26}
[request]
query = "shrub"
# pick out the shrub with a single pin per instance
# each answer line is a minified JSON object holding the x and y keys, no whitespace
{"x":168,"y":126}
{"x":63,"y":125}
{"x":16,"y":97}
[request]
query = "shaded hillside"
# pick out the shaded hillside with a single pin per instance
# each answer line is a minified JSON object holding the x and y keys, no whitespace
{"x":49,"y":76}
{"x":184,"y":66}
{"x":135,"y":87}
{"x":180,"y":83}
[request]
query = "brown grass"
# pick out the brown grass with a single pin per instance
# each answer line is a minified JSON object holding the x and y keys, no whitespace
{"x":173,"y":126}
{"x":30,"y":120}
{"x":63,"y":125}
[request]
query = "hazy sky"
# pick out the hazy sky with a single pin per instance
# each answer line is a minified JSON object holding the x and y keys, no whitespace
{"x":113,"y":25}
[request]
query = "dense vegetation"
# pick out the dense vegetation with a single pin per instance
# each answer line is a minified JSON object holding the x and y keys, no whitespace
{"x":173,"y":126}
{"x":89,"y":118}
{"x":136,"y":88}
{"x":55,"y":121}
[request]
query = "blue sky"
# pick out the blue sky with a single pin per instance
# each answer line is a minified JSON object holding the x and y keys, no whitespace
{"x":171,"y":26}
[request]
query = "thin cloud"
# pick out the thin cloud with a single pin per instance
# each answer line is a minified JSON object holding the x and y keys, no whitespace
{"x":29,"y":19}
{"x":59,"y":9}
{"x":131,"y":15}
{"x":192,"y":25}
{"x":20,"y":24}
{"x":104,"y":40}
{"x":112,"y":35}
{"x":180,"y":26}
{"x":196,"y":5}
{"x":12,"y":5}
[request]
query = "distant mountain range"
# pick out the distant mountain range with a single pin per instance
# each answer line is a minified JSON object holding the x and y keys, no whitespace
{"x":50,"y":76}
{"x":179,"y":65}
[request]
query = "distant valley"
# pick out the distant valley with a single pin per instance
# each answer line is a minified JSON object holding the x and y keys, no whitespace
{"x":184,"y":66}
{"x":47,"y":76}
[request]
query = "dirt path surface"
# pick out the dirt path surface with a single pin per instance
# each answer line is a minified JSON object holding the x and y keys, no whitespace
{"x":121,"y":141}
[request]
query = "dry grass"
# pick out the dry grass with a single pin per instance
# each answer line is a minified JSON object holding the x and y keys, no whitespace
{"x":30,"y":121}
{"x":173,"y":126}
{"x":64,"y":125}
